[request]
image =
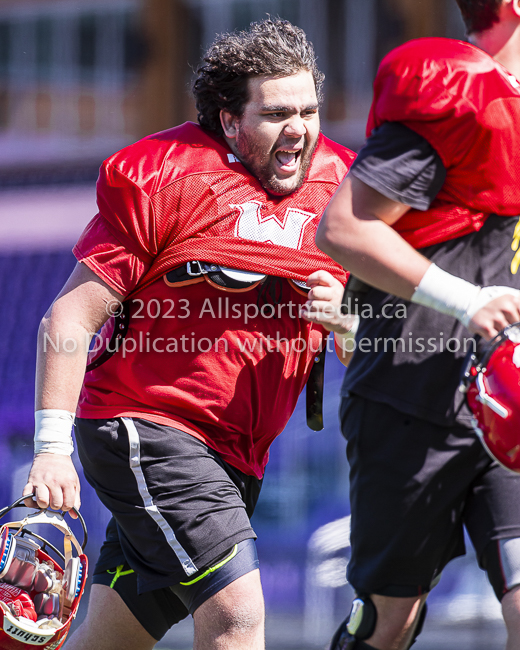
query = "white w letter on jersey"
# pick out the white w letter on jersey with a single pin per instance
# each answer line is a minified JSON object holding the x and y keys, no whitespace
{"x":251,"y":225}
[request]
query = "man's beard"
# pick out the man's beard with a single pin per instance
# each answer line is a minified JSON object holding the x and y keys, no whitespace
{"x":259,"y":164}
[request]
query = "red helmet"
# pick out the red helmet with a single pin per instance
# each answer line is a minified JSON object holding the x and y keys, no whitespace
{"x":492,"y":385}
{"x":39,"y":594}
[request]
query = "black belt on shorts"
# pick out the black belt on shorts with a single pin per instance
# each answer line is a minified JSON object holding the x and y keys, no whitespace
{"x":190,"y":270}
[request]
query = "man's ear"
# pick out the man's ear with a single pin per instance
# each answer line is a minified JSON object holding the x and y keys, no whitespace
{"x":229,"y":124}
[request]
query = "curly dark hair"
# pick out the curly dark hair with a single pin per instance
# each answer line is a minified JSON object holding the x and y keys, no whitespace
{"x":479,"y":15}
{"x":270,"y":47}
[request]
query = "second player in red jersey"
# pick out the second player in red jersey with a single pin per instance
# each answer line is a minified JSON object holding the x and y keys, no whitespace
{"x":427,"y":219}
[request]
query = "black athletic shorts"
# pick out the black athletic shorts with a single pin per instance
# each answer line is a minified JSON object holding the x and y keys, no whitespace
{"x":158,"y":610}
{"x":413,"y":486}
{"x":178,"y":506}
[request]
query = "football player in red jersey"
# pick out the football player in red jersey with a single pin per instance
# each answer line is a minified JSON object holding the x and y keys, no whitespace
{"x":206,"y":234}
{"x":429,"y":214}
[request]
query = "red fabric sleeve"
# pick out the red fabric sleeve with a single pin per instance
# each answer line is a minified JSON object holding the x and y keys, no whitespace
{"x":128,"y":212}
{"x":430,"y":86}
{"x":120,"y":243}
{"x":108,"y":258}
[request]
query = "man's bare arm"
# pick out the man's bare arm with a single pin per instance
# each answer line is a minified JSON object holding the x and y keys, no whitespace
{"x":84,"y":304}
{"x":356,"y":232}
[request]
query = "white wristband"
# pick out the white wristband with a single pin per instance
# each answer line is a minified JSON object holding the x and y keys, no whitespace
{"x":454,"y":296}
{"x":445,"y":293}
{"x":53,"y":432}
{"x":346,"y":340}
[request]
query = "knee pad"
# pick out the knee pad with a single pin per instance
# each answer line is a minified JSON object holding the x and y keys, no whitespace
{"x":359,"y":625}
{"x":501,"y":561}
{"x":342,"y":640}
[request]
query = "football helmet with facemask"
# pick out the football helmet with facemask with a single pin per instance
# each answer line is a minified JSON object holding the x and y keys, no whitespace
{"x":492,"y":386}
{"x":39,"y":594}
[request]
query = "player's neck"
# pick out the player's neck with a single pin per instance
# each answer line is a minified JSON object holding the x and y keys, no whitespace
{"x":502,"y":42}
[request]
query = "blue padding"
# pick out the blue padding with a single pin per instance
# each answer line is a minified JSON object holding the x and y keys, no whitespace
{"x":5,"y":554}
{"x":80,"y":576}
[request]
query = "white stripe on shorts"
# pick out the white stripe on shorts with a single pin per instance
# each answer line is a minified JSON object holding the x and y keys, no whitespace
{"x":135,"y":465}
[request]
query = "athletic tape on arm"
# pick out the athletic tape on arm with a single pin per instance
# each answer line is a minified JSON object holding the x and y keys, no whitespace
{"x":53,"y":432}
{"x":454,"y":296}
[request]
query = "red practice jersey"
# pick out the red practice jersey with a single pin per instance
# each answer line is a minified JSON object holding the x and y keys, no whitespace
{"x":225,"y":367}
{"x":467,"y":106}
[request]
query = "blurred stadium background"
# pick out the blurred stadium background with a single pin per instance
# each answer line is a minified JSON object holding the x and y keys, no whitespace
{"x":79,"y":79}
